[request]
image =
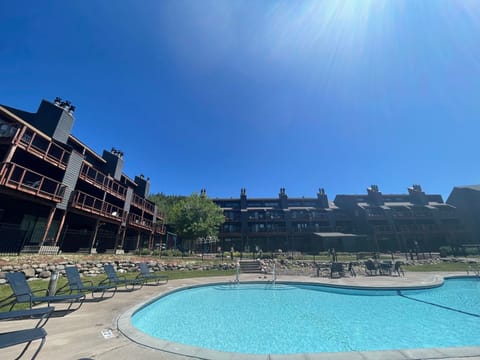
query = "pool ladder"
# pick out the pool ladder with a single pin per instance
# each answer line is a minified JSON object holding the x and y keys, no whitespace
{"x":237,"y":276}
{"x":274,"y":277}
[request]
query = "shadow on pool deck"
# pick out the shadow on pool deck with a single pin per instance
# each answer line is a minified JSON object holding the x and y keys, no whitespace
{"x":92,"y":333}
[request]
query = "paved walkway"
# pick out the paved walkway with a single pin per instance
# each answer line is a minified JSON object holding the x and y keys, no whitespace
{"x":79,"y":334}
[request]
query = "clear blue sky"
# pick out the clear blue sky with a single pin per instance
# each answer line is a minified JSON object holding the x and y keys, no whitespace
{"x":260,"y":94}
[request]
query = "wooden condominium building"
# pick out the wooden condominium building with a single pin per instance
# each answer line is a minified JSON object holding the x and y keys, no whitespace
{"x":57,"y":194}
{"x":401,"y":222}
{"x":369,"y":222}
{"x":287,"y":224}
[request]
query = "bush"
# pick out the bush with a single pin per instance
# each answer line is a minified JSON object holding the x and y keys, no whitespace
{"x":143,"y":252}
{"x":445,"y":251}
{"x":170,"y":252}
{"x":471,"y":251}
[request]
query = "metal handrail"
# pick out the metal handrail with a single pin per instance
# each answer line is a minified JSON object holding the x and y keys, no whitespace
{"x":88,"y":173}
{"x":137,"y":220}
{"x":97,"y":206}
{"x":20,"y":178}
{"x":31,"y":141}
{"x":160,"y":228}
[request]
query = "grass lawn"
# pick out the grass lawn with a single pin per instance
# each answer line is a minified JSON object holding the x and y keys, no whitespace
{"x":454,"y":266}
{"x":5,"y":290}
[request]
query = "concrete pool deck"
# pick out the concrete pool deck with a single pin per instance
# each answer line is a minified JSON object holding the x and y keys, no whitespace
{"x":78,"y":335}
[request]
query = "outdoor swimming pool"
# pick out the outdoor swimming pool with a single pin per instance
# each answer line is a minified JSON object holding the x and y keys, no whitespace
{"x":305,"y":318}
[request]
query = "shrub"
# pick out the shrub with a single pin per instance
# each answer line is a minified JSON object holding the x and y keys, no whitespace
{"x":170,"y":252}
{"x":143,"y":252}
{"x":445,"y":251}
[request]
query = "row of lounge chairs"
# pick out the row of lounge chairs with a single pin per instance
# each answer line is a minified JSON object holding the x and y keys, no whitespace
{"x":73,"y":293}
{"x":383,"y":268}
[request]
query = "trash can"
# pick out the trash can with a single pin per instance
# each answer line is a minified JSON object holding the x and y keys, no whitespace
{"x":52,"y":285}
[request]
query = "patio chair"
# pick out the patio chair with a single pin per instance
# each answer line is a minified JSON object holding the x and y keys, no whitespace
{"x":147,"y":276}
{"x":337,"y":268}
{"x":23,"y":294}
{"x":76,"y":285}
{"x":397,"y":268}
{"x":371,"y":268}
{"x":113,"y":279}
{"x":42,"y":314}
{"x":386,"y":268}
{"x":351,"y":269}
{"x":18,"y":337}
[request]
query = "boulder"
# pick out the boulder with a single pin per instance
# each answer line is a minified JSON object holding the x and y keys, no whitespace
{"x":45,"y":274}
{"x":29,"y":272}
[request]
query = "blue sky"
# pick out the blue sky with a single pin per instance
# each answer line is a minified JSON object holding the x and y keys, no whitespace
{"x":260,"y":94}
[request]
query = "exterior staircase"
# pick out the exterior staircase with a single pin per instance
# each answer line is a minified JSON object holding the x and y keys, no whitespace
{"x":250,"y":266}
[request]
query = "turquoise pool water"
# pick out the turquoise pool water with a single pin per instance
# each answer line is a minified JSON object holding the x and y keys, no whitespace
{"x":299,"y":318}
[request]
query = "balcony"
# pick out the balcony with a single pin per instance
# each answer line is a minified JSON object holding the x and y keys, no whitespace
{"x":383,"y":228}
{"x":93,"y":205}
{"x":140,"y":222}
{"x":149,"y":207}
{"x":160,"y":229}
{"x":160,"y":216}
{"x":19,"y":178}
{"x":8,"y":131}
{"x":143,"y":204}
{"x":102,"y":181}
{"x":43,"y":148}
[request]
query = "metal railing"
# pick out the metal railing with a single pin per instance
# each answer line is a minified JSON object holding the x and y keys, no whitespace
{"x":85,"y":202}
{"x":143,"y":204}
{"x":138,"y":221}
{"x":160,"y":229}
{"x":99,"y":179}
{"x":20,"y":178}
{"x":160,"y":216}
{"x":43,"y":148}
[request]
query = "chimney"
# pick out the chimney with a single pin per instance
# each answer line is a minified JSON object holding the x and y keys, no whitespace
{"x":375,"y":197}
{"x":322,"y":199}
{"x":114,"y":165}
{"x":417,"y":196}
{"x":55,"y":119}
{"x":243,"y":198}
{"x":143,"y":186}
{"x":283,"y":199}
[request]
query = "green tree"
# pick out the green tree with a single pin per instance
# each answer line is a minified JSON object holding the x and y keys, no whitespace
{"x":165,"y":203}
{"x":196,"y":217}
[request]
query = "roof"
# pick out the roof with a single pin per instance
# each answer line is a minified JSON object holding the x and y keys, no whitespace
{"x":86,"y":147}
{"x":7,"y":111}
{"x":469,"y":187}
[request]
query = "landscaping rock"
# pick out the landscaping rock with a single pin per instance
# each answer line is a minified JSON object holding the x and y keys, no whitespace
{"x":45,"y":274}
{"x":29,"y":272}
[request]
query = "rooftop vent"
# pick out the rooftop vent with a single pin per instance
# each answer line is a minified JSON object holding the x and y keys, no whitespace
{"x":117,"y":152}
{"x":65,"y":105}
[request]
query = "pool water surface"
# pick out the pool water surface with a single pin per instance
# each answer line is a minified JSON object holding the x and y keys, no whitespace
{"x":302,"y":318}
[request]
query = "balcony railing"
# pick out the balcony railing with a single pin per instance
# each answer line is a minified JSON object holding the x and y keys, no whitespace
{"x":160,"y":229}
{"x":8,"y":132}
{"x":140,"y":222}
{"x":45,"y":149}
{"x":102,"y":181}
{"x":143,"y":204}
{"x":19,"y":178}
{"x":88,"y":203}
{"x":160,"y":216}
{"x":149,"y":207}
